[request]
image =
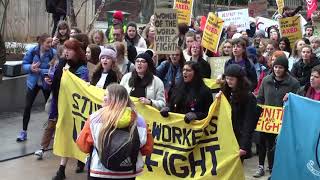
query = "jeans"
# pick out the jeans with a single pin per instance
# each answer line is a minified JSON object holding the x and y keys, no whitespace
{"x":30,"y":97}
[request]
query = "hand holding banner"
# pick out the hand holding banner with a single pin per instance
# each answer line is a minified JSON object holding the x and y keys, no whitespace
{"x":204,"y":149}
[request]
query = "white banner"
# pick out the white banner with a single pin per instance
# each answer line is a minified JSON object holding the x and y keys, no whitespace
{"x":239,"y":17}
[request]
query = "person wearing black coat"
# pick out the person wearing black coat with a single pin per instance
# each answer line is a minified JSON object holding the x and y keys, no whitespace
{"x":239,"y":57}
{"x":244,"y":110}
{"x":301,"y":70}
{"x":192,"y":97}
{"x":196,"y":53}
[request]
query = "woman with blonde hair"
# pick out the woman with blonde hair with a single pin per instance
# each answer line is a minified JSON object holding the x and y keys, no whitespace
{"x":102,"y":126}
{"x":97,"y":37}
{"x":226,"y":48}
{"x":296,"y":52}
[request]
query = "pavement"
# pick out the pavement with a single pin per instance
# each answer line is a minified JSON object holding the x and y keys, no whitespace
{"x":18,"y":162}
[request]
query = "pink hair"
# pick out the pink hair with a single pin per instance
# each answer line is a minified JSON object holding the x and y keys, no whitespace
{"x":196,"y":43}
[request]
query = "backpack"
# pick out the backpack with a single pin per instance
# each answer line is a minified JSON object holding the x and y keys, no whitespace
{"x":119,"y":152}
{"x":51,"y":6}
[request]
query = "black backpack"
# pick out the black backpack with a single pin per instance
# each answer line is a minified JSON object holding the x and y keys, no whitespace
{"x":51,"y":6}
{"x":119,"y":152}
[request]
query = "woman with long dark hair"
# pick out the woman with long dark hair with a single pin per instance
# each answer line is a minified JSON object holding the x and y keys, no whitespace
{"x":36,"y":64}
{"x":133,"y":38}
{"x":243,"y":103}
{"x":284,"y":45}
{"x":118,"y":111}
{"x":191,"y":97}
{"x":239,"y":57}
{"x":62,"y":34}
{"x":142,"y":82}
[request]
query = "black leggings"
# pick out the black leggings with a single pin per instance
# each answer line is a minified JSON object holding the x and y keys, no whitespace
{"x":267,"y":147}
{"x":30,"y":97}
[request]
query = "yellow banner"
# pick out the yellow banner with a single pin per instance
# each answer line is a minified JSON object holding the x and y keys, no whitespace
{"x":184,"y":10}
{"x":270,"y":120}
{"x":280,"y":4}
{"x":205,"y":149}
{"x":212,"y":32}
{"x":290,"y":27}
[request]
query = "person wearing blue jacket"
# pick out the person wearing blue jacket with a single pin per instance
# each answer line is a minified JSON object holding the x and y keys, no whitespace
{"x":36,"y":64}
{"x":170,"y":72}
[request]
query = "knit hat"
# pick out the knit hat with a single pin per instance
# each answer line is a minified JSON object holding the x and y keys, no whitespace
{"x":118,"y":15}
{"x":251,"y":51}
{"x":108,"y":52}
{"x":282,"y":61}
{"x":235,"y":70}
{"x":148,"y":57}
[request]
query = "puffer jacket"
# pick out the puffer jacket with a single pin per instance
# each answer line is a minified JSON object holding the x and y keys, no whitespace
{"x":88,"y":139}
{"x":33,"y":56}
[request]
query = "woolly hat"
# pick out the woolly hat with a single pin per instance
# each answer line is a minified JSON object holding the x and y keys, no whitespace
{"x":108,"y":52}
{"x":118,"y":15}
{"x":282,"y":61}
{"x":148,"y":57}
{"x":235,"y":70}
{"x":251,"y":51}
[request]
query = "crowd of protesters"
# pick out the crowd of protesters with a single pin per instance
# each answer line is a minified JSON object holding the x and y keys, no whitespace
{"x":261,"y":69}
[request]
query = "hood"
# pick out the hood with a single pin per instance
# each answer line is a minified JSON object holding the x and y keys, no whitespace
{"x":125,"y":119}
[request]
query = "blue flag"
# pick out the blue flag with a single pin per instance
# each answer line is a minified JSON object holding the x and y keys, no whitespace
{"x":298,"y":150}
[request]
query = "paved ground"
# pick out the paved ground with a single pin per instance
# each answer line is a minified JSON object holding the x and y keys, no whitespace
{"x":16,"y":164}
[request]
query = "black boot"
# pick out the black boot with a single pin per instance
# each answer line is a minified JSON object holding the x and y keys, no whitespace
{"x":80,"y":167}
{"x":60,"y":173}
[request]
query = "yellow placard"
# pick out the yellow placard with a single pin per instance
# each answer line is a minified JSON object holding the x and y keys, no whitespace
{"x":184,"y":10}
{"x":212,"y":32}
{"x":280,"y":4}
{"x":270,"y":120}
{"x":205,"y":149}
{"x":290,"y":27}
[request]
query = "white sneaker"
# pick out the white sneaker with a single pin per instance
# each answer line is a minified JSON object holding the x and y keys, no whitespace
{"x":39,"y":154}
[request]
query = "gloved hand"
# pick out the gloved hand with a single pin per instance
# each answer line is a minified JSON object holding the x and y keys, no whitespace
{"x":189,"y":117}
{"x":164,"y":111}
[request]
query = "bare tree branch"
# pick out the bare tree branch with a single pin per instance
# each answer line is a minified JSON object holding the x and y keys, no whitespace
{"x":90,"y":26}
{"x":83,"y":2}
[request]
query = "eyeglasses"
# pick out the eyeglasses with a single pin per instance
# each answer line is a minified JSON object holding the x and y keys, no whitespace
{"x":116,"y":34}
{"x":142,"y":61}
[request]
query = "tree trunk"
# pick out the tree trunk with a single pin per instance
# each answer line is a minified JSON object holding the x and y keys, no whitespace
{"x":71,"y":14}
